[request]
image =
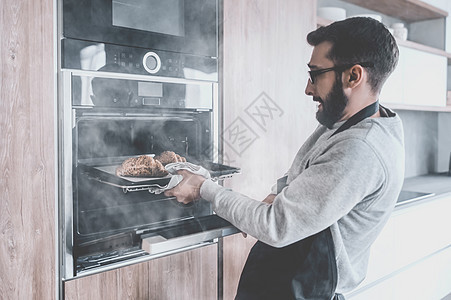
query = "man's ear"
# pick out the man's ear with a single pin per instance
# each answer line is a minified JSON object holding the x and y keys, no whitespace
{"x":354,"y":76}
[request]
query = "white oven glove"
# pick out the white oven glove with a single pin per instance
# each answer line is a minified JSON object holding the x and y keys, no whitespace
{"x":172,"y":168}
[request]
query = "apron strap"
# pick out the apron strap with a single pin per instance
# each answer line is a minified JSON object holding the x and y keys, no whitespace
{"x":359,"y":116}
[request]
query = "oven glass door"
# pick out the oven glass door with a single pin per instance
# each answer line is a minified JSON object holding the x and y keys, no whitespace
{"x":185,"y":26}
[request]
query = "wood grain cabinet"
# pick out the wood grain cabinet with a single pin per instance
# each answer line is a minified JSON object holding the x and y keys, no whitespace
{"x":27,"y":150}
{"x":187,"y":275}
{"x":265,"y":56}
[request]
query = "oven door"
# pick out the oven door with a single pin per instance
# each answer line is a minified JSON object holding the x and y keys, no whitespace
{"x":184,"y":26}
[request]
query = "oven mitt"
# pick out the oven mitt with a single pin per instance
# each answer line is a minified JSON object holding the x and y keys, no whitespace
{"x":172,"y":168}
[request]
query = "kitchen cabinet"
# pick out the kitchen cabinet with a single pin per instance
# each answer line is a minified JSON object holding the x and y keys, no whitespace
{"x":236,"y":249}
{"x":407,"y":10}
{"x":414,"y":247}
{"x":424,"y":78}
{"x":27,"y":150}
{"x":420,"y":80}
{"x":264,"y":76}
{"x":187,"y":275}
{"x":427,"y":279}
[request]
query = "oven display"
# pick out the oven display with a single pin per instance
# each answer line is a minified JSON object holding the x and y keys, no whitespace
{"x":150,"y":89}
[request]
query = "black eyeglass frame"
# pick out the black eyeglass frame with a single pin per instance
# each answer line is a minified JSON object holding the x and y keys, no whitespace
{"x":341,"y":68}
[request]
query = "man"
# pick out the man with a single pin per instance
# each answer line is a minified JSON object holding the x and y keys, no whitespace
{"x":316,"y":230}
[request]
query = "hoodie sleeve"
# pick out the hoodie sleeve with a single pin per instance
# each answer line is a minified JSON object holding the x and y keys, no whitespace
{"x":327,"y":190}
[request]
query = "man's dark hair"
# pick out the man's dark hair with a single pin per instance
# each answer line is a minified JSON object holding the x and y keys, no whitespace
{"x":358,"y":40}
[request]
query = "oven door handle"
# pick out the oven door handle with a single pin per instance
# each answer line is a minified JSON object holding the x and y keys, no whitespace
{"x":156,"y":243}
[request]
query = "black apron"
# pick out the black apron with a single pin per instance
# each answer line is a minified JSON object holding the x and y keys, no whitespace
{"x":304,"y":270}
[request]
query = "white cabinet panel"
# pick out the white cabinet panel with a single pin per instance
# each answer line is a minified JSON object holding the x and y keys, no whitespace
{"x":410,"y":235}
{"x":393,"y":89}
{"x":428,"y":279}
{"x":425,"y":78}
{"x":422,"y":230}
{"x":419,"y":79}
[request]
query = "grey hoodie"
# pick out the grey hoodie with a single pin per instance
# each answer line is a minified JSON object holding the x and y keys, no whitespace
{"x":349,"y":183}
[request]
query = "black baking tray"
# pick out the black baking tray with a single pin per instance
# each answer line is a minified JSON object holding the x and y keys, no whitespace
{"x":103,"y":171}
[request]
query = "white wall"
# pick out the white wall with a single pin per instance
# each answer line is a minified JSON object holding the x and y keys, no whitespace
{"x":421,"y":140}
{"x":427,"y":141}
{"x":444,"y":137}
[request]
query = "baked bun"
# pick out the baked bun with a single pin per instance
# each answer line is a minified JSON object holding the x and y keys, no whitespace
{"x":168,"y":157}
{"x":142,"y":166}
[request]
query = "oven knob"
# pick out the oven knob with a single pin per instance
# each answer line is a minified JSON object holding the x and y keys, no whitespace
{"x":151,"y":62}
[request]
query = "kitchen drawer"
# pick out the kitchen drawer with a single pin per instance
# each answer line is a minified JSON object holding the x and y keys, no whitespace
{"x":427,"y":279}
{"x":411,"y":234}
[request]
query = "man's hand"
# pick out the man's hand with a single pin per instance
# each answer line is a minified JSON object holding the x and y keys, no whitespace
{"x":188,"y":189}
{"x":269,"y":199}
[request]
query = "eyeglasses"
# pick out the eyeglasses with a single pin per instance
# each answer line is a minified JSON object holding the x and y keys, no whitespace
{"x":341,"y":68}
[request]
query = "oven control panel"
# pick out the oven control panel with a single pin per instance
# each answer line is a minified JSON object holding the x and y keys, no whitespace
{"x":84,"y":55}
{"x":151,"y":62}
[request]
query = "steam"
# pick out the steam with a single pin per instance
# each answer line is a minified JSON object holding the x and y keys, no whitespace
{"x":102,"y":141}
{"x":109,"y":137}
{"x":105,"y":209}
{"x":104,"y":136}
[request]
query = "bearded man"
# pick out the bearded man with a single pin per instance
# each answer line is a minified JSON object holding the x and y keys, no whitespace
{"x":316,"y":227}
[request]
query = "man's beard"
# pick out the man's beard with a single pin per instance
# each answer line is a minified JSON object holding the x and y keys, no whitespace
{"x":333,"y":105}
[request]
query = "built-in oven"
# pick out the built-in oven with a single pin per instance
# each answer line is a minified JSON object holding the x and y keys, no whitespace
{"x":135,"y":78}
{"x":111,"y":220}
{"x":186,"y":27}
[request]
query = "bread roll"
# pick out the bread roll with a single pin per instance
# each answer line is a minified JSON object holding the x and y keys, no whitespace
{"x":168,"y":157}
{"x":142,"y":166}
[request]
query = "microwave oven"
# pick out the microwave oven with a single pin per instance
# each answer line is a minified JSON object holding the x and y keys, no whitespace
{"x":180,"y":26}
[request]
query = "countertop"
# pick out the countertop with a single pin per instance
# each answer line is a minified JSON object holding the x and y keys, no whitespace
{"x":431,"y":186}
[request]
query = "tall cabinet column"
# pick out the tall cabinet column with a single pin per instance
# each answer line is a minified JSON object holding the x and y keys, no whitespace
{"x":267,"y":116}
{"x":27,"y":150}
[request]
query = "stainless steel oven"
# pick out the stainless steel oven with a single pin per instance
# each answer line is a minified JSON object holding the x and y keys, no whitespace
{"x":107,"y":219}
{"x":131,"y":85}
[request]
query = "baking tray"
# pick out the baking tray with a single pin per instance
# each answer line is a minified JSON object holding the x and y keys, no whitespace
{"x":106,"y":173}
